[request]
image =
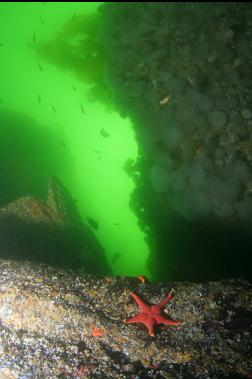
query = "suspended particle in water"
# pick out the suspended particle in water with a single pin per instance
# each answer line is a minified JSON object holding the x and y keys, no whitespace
{"x":34,"y":39}
{"x":39,"y":98}
{"x":42,"y":21}
{"x":96,"y":151}
{"x":64,"y":145}
{"x":53,"y":109}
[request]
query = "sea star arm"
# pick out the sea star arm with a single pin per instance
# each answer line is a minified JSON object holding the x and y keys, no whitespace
{"x":160,"y":319}
{"x":138,"y":318}
{"x":157,"y":307}
{"x":145,"y":308}
{"x":150,"y":323}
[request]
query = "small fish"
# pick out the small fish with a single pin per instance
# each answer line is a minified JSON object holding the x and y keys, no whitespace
{"x":64,"y":145}
{"x":199,"y":148}
{"x":94,"y":224}
{"x":39,"y":98}
{"x":34,"y":39}
{"x":42,"y":21}
{"x":1,"y":44}
{"x":104,"y":133}
{"x":165,"y":100}
{"x":115,"y":258}
{"x":40,"y":67}
{"x":82,"y":109}
{"x":74,"y":16}
{"x":117,"y":223}
{"x":74,"y":88}
{"x":53,"y":109}
{"x":96,"y":151}
{"x":190,"y":80}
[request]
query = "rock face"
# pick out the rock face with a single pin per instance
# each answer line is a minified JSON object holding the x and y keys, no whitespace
{"x":188,"y":94}
{"x":182,"y":74}
{"x":50,"y":232}
{"x":56,"y":324}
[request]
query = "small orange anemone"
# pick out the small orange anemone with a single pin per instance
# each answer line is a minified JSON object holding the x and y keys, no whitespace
{"x":142,"y":279}
{"x":97,"y":332}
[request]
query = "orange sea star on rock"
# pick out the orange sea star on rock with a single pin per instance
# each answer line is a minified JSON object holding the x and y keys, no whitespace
{"x":151,"y":315}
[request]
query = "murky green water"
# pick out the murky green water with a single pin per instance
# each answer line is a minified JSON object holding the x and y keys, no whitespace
{"x":50,"y":125}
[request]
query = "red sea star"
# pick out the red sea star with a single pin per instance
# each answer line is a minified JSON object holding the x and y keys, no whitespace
{"x":151,"y":314}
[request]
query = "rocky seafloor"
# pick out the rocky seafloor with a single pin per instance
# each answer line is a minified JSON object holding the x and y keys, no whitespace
{"x":59,"y":324}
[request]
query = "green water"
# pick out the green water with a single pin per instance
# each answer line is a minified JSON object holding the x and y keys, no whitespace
{"x":60,"y":113}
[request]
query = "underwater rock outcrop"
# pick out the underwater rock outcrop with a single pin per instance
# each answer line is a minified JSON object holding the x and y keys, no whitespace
{"x":50,"y":232}
{"x":181,"y":73}
{"x":59,"y":324}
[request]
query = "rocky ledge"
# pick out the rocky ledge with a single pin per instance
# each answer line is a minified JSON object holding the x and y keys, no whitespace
{"x":60,"y":324}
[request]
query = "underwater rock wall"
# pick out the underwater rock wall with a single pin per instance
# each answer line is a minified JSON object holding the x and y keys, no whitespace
{"x":181,"y":72}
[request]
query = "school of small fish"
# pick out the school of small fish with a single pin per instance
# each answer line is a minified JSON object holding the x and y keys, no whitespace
{"x":103,"y":132}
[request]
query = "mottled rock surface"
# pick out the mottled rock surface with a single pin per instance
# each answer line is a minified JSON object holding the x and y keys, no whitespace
{"x":49,"y":320}
{"x":188,"y":91}
{"x":181,"y":73}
